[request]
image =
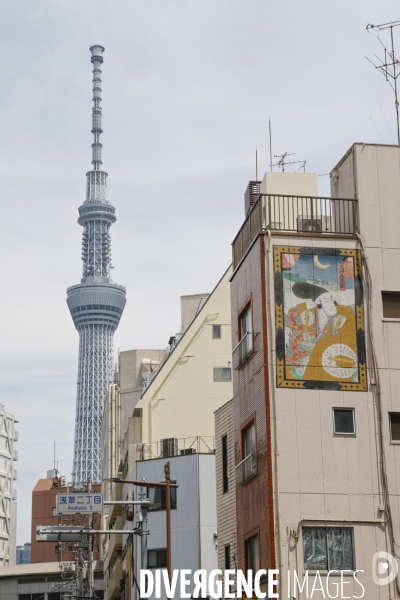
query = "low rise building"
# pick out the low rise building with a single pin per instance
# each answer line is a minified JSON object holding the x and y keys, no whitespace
{"x":316,"y":327}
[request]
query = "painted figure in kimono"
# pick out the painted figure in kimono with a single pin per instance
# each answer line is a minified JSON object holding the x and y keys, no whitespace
{"x":320,"y":337}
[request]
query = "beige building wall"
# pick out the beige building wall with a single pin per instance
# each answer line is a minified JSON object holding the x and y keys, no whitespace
{"x":226,"y":499}
{"x":325,"y":480}
{"x":181,"y":400}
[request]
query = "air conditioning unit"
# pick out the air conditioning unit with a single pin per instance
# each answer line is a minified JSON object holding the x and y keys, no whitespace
{"x":317,"y":224}
{"x":169,"y":447}
{"x":188,"y":451}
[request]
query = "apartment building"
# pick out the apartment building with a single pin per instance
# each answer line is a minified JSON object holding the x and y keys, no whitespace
{"x":8,"y":495}
{"x":169,"y":411}
{"x":316,"y":364}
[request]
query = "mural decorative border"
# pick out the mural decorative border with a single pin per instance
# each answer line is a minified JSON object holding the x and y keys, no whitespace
{"x":354,"y":330}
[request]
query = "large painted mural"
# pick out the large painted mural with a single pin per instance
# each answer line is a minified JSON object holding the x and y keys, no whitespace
{"x":320,"y":336}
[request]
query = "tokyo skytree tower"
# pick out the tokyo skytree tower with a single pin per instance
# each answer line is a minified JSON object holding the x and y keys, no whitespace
{"x":96,"y":304}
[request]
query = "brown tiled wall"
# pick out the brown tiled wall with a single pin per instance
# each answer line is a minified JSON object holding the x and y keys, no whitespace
{"x":254,"y":501}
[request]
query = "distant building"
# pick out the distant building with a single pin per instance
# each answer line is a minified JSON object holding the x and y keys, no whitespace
{"x":44,"y":499}
{"x":8,"y":495}
{"x":24,"y":554}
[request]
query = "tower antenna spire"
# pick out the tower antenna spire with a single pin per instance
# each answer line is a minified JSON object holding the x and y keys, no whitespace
{"x":97,"y":60}
{"x":388,"y":66}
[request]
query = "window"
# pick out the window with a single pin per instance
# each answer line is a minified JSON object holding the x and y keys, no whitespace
{"x":222,"y":374}
{"x":394,"y":421}
{"x":325,"y":549}
{"x":227,"y":551}
{"x":252,"y":555}
{"x":249,"y":462}
{"x":157,"y":498}
{"x":225,"y":484}
{"x":54,"y":511}
{"x":157,"y":559}
{"x":216,"y":332}
{"x":343,"y":421}
{"x":245,"y":345}
{"x":391,"y":305}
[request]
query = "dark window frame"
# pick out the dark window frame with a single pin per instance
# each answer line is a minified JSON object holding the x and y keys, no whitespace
{"x":163,"y":498}
{"x":161,"y":558}
{"x":251,"y":421}
{"x":390,"y":305}
{"x":224,"y":461}
{"x":254,"y":533}
{"x":397,"y":413}
{"x":227,"y":556}
{"x":344,"y":409}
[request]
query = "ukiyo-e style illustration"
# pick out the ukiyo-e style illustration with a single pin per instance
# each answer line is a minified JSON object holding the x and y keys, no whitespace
{"x":320,"y":339}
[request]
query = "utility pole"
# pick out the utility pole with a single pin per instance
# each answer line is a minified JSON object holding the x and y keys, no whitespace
{"x":168,"y":515}
{"x":388,"y":66}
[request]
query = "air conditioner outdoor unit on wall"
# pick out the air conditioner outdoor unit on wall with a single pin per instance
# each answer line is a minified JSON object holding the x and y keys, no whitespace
{"x":188,"y":451}
{"x":169,"y":447}
{"x":317,"y":224}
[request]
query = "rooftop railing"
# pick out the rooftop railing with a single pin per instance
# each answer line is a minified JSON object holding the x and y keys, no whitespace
{"x":176,"y":447}
{"x":296,"y":215}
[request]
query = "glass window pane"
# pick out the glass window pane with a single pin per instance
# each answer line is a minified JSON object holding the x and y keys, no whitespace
{"x":340,"y":549}
{"x":391,"y":305}
{"x":162,"y":557}
{"x":344,"y":420}
{"x":152,"y":558}
{"x":252,"y":554}
{"x":216,"y":331}
{"x":394,"y":427}
{"x":314,"y":548}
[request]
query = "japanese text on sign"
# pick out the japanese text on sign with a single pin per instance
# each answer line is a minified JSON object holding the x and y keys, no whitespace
{"x":80,"y":503}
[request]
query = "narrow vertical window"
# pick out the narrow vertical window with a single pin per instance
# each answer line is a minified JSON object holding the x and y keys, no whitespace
{"x":225,"y":483}
{"x":227,"y":557}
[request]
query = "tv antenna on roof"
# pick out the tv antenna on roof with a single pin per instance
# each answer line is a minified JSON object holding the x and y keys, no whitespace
{"x":282,"y":163}
{"x":388,"y":66}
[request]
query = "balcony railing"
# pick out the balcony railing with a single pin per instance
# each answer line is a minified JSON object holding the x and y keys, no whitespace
{"x":243,"y":350}
{"x":176,"y":447}
{"x":246,"y":469}
{"x":296,"y":215}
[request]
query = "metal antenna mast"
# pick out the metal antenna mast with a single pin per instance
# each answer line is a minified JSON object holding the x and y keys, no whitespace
{"x":282,"y":162}
{"x":388,"y":66}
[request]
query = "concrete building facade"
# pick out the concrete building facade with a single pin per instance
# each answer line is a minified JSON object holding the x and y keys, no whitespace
{"x":8,"y":495}
{"x":315,"y":327}
{"x":194,"y":539}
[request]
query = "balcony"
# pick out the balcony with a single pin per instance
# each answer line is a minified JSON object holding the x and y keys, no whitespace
{"x":242,"y":351}
{"x":176,"y":447}
{"x":296,"y":215}
{"x":15,"y":474}
{"x":15,"y":455}
{"x":15,"y":436}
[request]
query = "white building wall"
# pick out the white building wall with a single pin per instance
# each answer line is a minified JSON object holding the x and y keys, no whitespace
{"x":331,"y":481}
{"x":8,"y":504}
{"x":182,"y":399}
{"x":194,"y":521}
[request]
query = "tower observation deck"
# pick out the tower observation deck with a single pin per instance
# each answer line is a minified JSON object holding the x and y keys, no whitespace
{"x":96,"y":304}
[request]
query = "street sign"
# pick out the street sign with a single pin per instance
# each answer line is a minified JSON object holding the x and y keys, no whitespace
{"x":55,"y":534}
{"x":88,"y":502}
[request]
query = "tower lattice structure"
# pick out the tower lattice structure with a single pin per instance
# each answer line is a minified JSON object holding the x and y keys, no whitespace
{"x":96,"y":304}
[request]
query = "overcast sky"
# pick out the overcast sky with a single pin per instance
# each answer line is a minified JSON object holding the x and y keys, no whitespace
{"x":187,"y":90}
